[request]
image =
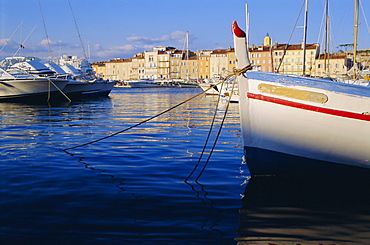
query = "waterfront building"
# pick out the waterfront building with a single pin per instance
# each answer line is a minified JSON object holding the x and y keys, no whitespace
{"x":288,"y":59}
{"x":126,"y":69}
{"x":163,"y":65}
{"x":362,"y":58}
{"x":151,"y":64}
{"x":219,"y":63}
{"x":282,"y":58}
{"x":137,"y":67}
{"x":331,"y":65}
{"x":171,"y":63}
{"x":231,"y":59}
{"x":176,"y":58}
{"x":164,"y":61}
{"x":277,"y":56}
{"x":204,"y":64}
{"x":118,"y":69}
{"x":189,"y":67}
{"x":340,"y":64}
{"x":99,"y":69}
{"x":261,"y":58}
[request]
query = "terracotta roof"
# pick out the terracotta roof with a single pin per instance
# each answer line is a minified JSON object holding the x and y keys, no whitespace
{"x":193,"y":57}
{"x":180,"y":52}
{"x":100,"y":63}
{"x":139,"y":58}
{"x":293,"y":46}
{"x":259,"y":49}
{"x":332,"y":56}
{"x":219,"y":51}
{"x":119,"y":60}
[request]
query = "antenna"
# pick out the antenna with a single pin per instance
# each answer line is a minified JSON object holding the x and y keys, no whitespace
{"x":21,"y":45}
{"x":6,"y":43}
{"x":46,"y":33}
{"x":78,"y":32}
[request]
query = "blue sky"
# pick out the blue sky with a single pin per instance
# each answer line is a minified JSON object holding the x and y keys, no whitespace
{"x":120,"y":28}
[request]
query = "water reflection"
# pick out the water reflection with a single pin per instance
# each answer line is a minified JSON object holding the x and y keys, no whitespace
{"x":298,"y":210}
{"x":128,"y":189}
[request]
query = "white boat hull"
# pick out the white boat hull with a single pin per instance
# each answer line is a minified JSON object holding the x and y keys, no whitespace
{"x":143,"y":84}
{"x":22,"y":88}
{"x":212,"y":91}
{"x":228,"y":92}
{"x":274,"y":123}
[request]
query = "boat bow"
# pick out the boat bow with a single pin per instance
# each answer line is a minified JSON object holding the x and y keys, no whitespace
{"x":299,"y":125}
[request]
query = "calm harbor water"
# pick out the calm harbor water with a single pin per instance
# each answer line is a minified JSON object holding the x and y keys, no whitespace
{"x":130,"y":188}
{"x":127,"y":189}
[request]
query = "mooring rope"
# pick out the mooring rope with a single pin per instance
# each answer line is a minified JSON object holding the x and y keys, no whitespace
{"x":209,"y":133}
{"x":236,"y":72}
{"x":146,"y":120}
{"x":58,"y":90}
{"x":218,"y":133}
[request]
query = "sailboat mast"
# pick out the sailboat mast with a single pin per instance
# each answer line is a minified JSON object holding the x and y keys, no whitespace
{"x":46,"y":33}
{"x":326,"y":39}
{"x":187,"y":56}
{"x":305,"y":38}
{"x":355,"y":33}
{"x":247,"y":23}
{"x":78,"y":31}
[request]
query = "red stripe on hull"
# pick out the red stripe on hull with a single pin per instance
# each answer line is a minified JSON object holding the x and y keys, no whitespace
{"x":329,"y":111}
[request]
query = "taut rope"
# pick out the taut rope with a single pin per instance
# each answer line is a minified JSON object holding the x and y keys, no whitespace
{"x":58,"y":90}
{"x":236,"y":72}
